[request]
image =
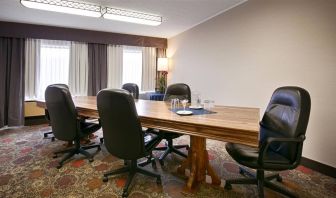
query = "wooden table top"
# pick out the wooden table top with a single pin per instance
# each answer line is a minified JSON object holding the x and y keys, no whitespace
{"x":230,"y":124}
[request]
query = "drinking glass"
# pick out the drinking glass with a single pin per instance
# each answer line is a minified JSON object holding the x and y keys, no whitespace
{"x":211,"y":104}
{"x":174,"y":103}
{"x":206,"y":104}
{"x":184,"y":103}
{"x":177,"y":103}
{"x":198,"y":101}
{"x":195,"y":99}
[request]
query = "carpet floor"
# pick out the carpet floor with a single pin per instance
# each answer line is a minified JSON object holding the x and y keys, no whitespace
{"x":27,"y":169}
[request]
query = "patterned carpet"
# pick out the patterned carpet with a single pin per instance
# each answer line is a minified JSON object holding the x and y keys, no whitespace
{"x":27,"y":169}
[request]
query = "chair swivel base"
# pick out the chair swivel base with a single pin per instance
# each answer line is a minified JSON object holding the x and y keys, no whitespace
{"x":150,"y":160}
{"x":132,"y":168}
{"x":170,"y":148}
{"x":247,"y":172}
{"x":261,"y":181}
{"x":76,"y":150}
{"x":46,"y":135}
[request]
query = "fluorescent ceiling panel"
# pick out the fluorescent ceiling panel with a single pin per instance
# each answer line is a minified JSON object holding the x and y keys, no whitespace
{"x":132,"y":16}
{"x":69,"y":7}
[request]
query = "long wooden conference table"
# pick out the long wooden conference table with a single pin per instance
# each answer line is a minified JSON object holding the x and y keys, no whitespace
{"x":228,"y":124}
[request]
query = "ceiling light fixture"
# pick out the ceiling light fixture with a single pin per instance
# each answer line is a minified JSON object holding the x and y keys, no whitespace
{"x":131,"y":16}
{"x":69,"y":7}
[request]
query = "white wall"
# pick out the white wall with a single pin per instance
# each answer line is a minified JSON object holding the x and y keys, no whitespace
{"x":241,"y":56}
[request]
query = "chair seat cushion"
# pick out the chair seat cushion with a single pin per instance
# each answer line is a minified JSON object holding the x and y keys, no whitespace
{"x":169,"y":135}
{"x":151,"y":141}
{"x":88,"y":128}
{"x":248,"y":156}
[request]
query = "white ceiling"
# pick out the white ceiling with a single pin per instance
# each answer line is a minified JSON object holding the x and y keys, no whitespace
{"x":177,"y":15}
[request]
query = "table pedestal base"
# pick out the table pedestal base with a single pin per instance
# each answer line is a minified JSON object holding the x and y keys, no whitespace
{"x":198,"y":164}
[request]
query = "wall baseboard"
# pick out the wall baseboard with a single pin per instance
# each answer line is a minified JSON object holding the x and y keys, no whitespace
{"x":35,"y":120}
{"x":319,"y":167}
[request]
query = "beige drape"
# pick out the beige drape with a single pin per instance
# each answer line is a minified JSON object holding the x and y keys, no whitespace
{"x":148,"y":69}
{"x":114,"y":66}
{"x":78,"y":69}
{"x":32,"y":68}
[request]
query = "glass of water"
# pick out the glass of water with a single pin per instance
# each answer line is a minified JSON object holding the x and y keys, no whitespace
{"x":184,"y":103}
{"x":209,"y":104}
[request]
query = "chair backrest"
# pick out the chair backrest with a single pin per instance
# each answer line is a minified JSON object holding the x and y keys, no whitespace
{"x":132,"y":88}
{"x":123,"y":136}
{"x":178,"y":90}
{"x":62,"y":112}
{"x":287,"y":116}
{"x":46,"y":111}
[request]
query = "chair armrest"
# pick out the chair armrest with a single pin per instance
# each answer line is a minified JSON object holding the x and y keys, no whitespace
{"x":270,"y":140}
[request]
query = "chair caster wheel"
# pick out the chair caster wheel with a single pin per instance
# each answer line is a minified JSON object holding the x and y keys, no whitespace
{"x":91,"y":160}
{"x":161,"y":162}
{"x":279,"y":178}
{"x":228,"y":186}
{"x":59,"y":166}
{"x":241,"y":171}
{"x":125,"y":194}
{"x":158,"y":181}
{"x":53,"y":139}
{"x":55,"y":156}
{"x":105,"y":179}
{"x":153,"y":164}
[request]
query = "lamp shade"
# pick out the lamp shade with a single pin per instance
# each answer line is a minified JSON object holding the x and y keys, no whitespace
{"x":162,"y":64}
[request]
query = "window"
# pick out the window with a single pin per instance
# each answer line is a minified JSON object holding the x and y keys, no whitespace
{"x":54,"y":64}
{"x":132,"y":65}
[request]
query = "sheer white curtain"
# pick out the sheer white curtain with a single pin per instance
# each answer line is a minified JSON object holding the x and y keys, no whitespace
{"x":114,"y":66}
{"x":78,"y":69}
{"x":132,"y":65}
{"x":54,"y":64}
{"x":148,"y":68}
{"x":32,"y":68}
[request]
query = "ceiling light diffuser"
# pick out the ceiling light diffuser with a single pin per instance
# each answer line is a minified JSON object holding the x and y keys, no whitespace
{"x":69,"y":7}
{"x":131,"y":16}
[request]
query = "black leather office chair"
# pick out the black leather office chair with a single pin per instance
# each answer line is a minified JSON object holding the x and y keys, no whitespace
{"x":132,"y":88}
{"x":65,"y":123}
{"x":282,"y":132}
{"x":46,"y":114}
{"x":134,"y":91}
{"x":180,"y":91}
{"x":48,"y":134}
{"x":123,"y":134}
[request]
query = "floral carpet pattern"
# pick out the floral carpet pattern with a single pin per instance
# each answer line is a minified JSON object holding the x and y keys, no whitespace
{"x":27,"y":169}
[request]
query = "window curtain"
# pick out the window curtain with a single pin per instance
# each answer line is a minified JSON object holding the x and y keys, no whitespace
{"x":148,"y":69}
{"x":97,"y":68}
{"x":114,"y":66}
{"x":78,"y":69}
{"x":32,"y":68}
{"x":54,"y":64}
{"x":12,"y":58}
{"x":132,"y":65}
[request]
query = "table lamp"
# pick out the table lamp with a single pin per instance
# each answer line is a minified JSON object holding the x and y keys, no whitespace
{"x":162,"y":67}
